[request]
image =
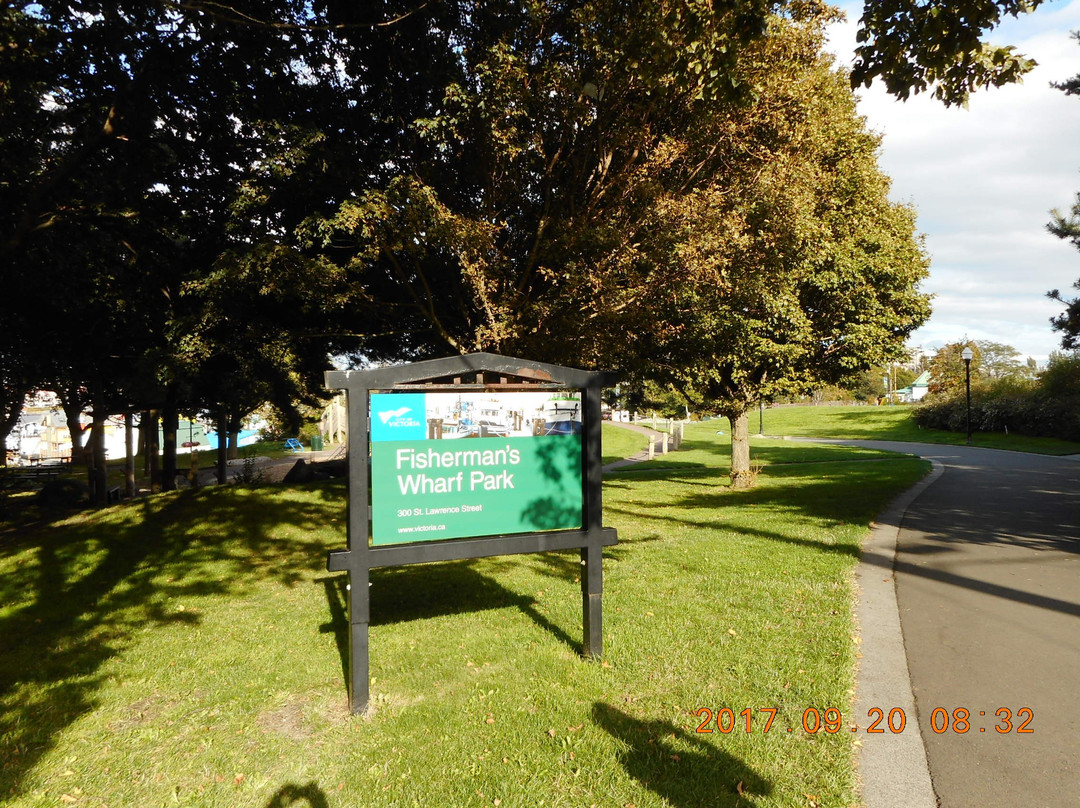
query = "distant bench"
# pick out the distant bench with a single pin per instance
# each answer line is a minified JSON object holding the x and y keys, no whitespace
{"x":25,"y":476}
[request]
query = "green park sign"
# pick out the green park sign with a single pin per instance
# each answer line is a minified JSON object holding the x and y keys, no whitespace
{"x":453,"y":465}
{"x":469,"y":457}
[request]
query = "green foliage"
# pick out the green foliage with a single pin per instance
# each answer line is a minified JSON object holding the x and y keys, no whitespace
{"x":789,"y":269}
{"x":217,"y":196}
{"x":1047,"y":407}
{"x":1067,"y":226}
{"x":991,"y":361}
{"x":999,"y":361}
{"x":870,"y":386}
{"x":948,"y":373}
{"x":937,"y":46}
{"x":1061,"y":379}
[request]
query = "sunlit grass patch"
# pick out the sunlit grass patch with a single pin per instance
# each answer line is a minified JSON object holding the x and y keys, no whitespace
{"x":188,"y":649}
{"x":892,"y":423}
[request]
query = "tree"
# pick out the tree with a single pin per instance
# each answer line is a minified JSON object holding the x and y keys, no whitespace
{"x":999,"y":361}
{"x":948,"y":373}
{"x":162,"y":138}
{"x":1067,"y":226}
{"x":790,"y":268}
{"x":465,"y":175}
{"x":936,"y":46}
{"x":516,"y":201}
{"x":16,"y":380}
{"x":871,"y":383}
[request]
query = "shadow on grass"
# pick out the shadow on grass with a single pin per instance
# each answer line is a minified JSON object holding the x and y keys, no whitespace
{"x":309,"y":796}
{"x":703,"y":775}
{"x":1005,"y":502}
{"x":89,"y":584}
{"x":830,"y":498}
{"x":418,"y":592}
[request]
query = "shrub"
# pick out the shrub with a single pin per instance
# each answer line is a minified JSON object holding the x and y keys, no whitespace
{"x":1061,"y":379}
{"x":1009,"y":405}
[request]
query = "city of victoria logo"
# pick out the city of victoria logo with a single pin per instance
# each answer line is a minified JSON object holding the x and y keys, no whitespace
{"x":386,"y":415}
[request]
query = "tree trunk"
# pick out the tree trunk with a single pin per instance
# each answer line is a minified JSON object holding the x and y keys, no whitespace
{"x":152,"y":447}
{"x":741,"y":475}
{"x":129,"y":453}
{"x":72,"y":406}
{"x":10,"y":418}
{"x":222,"y":448}
{"x":234,"y":439}
{"x":99,"y":469}
{"x":169,"y":424}
{"x":143,"y":449}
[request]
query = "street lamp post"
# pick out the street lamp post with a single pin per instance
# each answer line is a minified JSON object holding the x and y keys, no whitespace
{"x":967,"y":356}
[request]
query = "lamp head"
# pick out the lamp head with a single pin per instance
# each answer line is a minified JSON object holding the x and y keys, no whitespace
{"x":967,"y":354}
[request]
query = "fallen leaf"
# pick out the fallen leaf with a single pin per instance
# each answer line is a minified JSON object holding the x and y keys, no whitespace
{"x":551,"y":732}
{"x":67,"y":798}
{"x":731,"y":631}
{"x":490,"y":719}
{"x":238,"y":779}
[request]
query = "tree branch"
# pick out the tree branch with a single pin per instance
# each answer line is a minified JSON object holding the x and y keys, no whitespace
{"x":234,"y":15}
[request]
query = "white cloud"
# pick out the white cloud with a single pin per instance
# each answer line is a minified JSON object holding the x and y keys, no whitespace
{"x":984,"y":180}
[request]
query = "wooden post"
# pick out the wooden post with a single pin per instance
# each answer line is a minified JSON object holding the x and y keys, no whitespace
{"x":592,"y":555}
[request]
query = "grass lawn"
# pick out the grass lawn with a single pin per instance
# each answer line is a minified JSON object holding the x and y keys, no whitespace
{"x":619,"y":443}
{"x":890,"y":423}
{"x":187,"y":649}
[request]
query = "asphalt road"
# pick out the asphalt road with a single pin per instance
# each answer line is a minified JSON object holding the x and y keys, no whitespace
{"x":987,"y":579}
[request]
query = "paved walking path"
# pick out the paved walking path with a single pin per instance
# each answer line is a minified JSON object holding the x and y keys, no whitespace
{"x":987,"y":583}
{"x":654,"y":437}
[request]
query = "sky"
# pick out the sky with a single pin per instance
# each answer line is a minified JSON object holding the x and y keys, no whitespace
{"x":984,"y":181}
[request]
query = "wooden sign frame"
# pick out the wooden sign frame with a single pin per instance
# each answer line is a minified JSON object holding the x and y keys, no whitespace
{"x":483,"y":372}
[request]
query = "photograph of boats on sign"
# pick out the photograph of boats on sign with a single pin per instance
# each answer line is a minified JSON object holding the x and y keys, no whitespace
{"x":521,"y":473}
{"x":457,"y":415}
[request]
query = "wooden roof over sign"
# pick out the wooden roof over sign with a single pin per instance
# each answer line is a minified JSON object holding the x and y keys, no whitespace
{"x":478,"y":371}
